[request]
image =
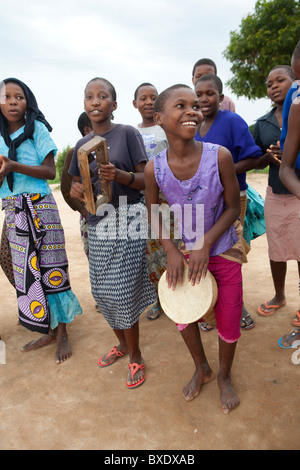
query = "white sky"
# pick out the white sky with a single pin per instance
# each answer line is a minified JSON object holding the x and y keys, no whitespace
{"x":57,"y":46}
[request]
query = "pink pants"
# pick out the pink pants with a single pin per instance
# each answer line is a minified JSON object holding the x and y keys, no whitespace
{"x":228,"y":309}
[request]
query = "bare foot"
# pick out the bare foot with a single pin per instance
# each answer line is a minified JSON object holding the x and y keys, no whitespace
{"x":192,"y":389}
{"x":39,"y":343}
{"x":229,"y":398}
{"x":63,"y":351}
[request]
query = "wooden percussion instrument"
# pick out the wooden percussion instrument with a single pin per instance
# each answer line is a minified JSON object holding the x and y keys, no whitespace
{"x":98,"y":146}
{"x":187,"y":303}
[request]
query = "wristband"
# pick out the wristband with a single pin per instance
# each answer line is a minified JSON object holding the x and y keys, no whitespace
{"x":131,"y":179}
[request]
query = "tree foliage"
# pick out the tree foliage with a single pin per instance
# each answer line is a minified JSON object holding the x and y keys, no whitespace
{"x":266,"y":38}
{"x":60,"y":160}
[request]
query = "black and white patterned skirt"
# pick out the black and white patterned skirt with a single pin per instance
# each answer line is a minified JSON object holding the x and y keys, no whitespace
{"x":118,"y":268}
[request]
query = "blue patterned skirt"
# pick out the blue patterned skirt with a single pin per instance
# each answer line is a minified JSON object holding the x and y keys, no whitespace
{"x":118,"y":268}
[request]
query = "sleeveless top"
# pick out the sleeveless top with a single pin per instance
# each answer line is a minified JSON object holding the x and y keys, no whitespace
{"x":197,"y":202}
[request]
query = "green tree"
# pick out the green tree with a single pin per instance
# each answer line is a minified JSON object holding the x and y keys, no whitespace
{"x":266,"y":38}
{"x":61,"y":159}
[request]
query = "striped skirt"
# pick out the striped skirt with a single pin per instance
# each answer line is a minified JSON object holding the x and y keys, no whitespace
{"x":118,"y":268}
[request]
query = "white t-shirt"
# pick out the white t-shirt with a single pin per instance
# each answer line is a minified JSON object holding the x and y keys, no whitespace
{"x":155,"y":140}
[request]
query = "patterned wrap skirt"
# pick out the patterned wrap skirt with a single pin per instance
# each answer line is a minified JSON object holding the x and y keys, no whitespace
{"x":39,"y":261}
{"x":118,"y":268}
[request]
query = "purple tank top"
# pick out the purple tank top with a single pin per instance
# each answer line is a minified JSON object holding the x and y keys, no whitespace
{"x":204,"y":192}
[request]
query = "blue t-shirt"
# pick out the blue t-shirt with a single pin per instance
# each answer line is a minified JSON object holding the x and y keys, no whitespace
{"x":232,"y":132}
{"x":293,"y":93}
{"x":32,"y":153}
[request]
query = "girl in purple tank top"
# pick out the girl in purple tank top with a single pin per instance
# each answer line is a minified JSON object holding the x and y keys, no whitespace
{"x":192,"y":174}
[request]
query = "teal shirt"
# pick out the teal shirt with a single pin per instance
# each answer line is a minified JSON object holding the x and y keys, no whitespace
{"x":32,"y":153}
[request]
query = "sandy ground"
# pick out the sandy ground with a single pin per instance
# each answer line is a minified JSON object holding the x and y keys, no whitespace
{"x":77,"y":405}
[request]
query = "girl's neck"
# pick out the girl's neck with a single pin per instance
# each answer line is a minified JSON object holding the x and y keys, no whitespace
{"x":15,"y":126}
{"x":147,"y":123}
{"x":206,"y":124}
{"x":180,"y":149}
{"x":102,"y":127}
{"x":278,"y":114}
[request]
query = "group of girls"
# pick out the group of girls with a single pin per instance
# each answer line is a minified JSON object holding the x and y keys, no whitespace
{"x":119,"y":273}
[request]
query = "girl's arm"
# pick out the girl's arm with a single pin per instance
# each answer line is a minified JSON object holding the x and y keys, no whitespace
{"x":199,"y":257}
{"x":246,"y":164}
{"x":290,"y":152}
{"x":45,"y":171}
{"x":111,"y":173}
{"x":175,"y":259}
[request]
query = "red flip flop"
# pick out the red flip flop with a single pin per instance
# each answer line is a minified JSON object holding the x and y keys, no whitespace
{"x":134,"y":367}
{"x":272,"y":307}
{"x":296,"y":322}
{"x":111,"y":352}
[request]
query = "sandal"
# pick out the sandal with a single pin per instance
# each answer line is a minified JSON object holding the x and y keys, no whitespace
{"x":206,"y":327}
{"x":154,"y":312}
{"x":296,"y":321}
{"x":248,"y":322}
{"x":268,"y":310}
{"x":290,"y":338}
{"x":111,"y":352}
{"x":134,"y":367}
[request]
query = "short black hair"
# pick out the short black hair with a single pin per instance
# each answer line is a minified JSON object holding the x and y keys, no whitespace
{"x":211,"y":78}
{"x":205,"y":62}
{"x":140,"y":86}
{"x":83,"y":121}
{"x":164,"y":95}
{"x":296,"y":53}
{"x":287,"y":68}
{"x":110,"y":86}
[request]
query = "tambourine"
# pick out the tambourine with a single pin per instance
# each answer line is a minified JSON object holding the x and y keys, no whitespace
{"x":188,"y":303}
{"x":98,"y":146}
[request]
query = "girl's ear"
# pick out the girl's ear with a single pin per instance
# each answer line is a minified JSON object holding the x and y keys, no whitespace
{"x":134,"y":104}
{"x":221,"y":98}
{"x":114,"y":106}
{"x":157,"y":119}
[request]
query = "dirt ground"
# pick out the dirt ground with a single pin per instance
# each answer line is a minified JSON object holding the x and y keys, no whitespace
{"x":78,"y":406}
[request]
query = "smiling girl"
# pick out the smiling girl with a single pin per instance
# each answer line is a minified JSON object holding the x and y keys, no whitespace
{"x":206,"y":172}
{"x":118,"y":269}
{"x":35,"y":234}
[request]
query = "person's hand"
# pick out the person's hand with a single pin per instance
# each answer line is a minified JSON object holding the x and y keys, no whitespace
{"x":108,"y":171}
{"x":76,"y":191}
{"x":5,"y":167}
{"x":198,"y":262}
{"x":275,"y":154}
{"x":175,"y":267}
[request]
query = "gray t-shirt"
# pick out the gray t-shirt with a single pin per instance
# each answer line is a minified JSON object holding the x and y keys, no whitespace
{"x":125,"y":150}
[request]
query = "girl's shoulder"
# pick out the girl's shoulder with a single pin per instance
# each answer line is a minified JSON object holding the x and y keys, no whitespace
{"x":128,"y":129}
{"x":230,"y":116}
{"x":39,"y":127}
